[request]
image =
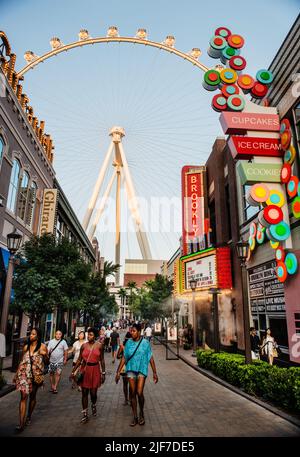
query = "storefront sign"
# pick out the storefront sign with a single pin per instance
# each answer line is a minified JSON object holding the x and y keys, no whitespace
{"x":242,"y":147}
{"x":265,"y":291}
{"x":203,"y":270}
{"x":48,"y":214}
{"x":259,"y":172}
{"x":194,"y":207}
{"x":236,"y":123}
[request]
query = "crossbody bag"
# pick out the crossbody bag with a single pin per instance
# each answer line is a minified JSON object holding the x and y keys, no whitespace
{"x":79,"y":375}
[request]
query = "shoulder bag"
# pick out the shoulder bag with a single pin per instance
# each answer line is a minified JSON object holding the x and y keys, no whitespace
{"x":134,"y":352}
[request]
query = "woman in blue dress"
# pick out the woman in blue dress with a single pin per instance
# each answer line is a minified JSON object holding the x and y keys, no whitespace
{"x":137,"y":356}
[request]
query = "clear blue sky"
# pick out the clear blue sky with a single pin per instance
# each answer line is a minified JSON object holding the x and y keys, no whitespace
{"x":157,"y":97}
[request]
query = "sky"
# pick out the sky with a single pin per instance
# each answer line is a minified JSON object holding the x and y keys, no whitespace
{"x":155,"y":96}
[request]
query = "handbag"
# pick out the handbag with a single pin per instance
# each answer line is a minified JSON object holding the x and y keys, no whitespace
{"x":79,"y":375}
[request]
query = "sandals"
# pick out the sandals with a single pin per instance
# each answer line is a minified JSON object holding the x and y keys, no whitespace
{"x":94,"y":410}
{"x":19,"y":428}
{"x":134,"y":422}
{"x":54,"y":391}
{"x":141,"y":420}
{"x":85,"y":417}
{"x":28,"y":421}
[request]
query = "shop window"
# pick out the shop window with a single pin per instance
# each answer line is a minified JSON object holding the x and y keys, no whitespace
{"x":249,"y":211}
{"x":13,"y":186}
{"x":31,"y":204}
{"x":22,"y":196}
{"x":279,"y":331}
{"x":297,"y":323}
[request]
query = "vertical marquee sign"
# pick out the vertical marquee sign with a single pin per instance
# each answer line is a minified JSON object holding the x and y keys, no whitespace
{"x":194,"y":206}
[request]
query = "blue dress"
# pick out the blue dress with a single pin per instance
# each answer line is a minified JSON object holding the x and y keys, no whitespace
{"x":140,"y":361}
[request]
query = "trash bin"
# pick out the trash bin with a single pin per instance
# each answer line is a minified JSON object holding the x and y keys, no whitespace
{"x":18,"y":345}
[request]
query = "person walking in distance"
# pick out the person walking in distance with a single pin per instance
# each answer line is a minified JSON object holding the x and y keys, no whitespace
{"x":123,"y":371}
{"x":90,"y":358}
{"x":58,"y":353}
{"x":107,"y":339}
{"x":269,"y":345}
{"x":114,"y":343}
{"x":76,"y":351}
{"x":148,"y":333}
{"x":137,"y":355}
{"x":30,"y":375}
{"x":255,"y":344}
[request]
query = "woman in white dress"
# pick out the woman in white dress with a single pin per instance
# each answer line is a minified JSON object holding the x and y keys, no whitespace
{"x":269,"y":346}
{"x":76,"y":351}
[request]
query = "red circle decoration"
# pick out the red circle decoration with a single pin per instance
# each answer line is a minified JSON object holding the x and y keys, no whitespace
{"x":229,"y":89}
{"x":281,"y":271}
{"x":238,"y":63}
{"x":286,"y":172}
{"x":219,"y":103}
{"x":296,"y":207}
{"x":292,"y":186}
{"x":223,"y":32}
{"x":280,"y":254}
{"x":259,"y":90}
{"x":245,"y":82}
{"x":236,"y":41}
{"x":285,"y":125}
{"x":271,"y":214}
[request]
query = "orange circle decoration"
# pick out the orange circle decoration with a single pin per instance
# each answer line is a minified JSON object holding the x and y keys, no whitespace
{"x":228,"y":76}
{"x":245,"y":82}
{"x":229,"y":89}
{"x":276,"y":198}
{"x":286,"y":172}
{"x":290,"y":155}
{"x":285,"y":139}
{"x":292,"y":186}
{"x":236,"y":41}
{"x":296,"y":207}
{"x":281,"y":271}
{"x":259,"y":193}
{"x":259,"y":90}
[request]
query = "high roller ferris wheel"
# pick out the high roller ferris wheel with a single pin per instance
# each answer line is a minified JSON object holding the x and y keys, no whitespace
{"x":121,"y":168}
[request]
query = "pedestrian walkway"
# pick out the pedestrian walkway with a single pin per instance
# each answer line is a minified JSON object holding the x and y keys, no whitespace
{"x":184,"y":403}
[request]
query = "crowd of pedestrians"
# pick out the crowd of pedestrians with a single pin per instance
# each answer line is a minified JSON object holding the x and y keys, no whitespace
{"x":88,"y":368}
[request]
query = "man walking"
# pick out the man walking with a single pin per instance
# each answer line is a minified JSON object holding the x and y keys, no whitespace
{"x":58,"y":352}
{"x":255,"y":344}
{"x":148,"y":333}
{"x":114,"y":343}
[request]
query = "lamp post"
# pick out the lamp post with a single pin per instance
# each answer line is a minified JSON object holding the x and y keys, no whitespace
{"x":215,"y":309}
{"x":13,"y":244}
{"x":242,"y":250}
{"x":193,"y":284}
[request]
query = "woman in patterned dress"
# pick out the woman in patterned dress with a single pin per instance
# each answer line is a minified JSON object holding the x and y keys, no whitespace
{"x":29,"y":376}
{"x":89,"y":360}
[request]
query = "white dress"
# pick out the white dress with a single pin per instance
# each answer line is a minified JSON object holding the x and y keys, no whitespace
{"x":269,"y":344}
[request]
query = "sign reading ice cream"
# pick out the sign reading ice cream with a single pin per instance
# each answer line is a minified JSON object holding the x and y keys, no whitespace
{"x":242,"y":147}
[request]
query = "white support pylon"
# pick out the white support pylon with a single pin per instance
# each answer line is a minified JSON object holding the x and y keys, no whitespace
{"x":97,"y":188}
{"x":101,"y":207}
{"x":120,"y":162}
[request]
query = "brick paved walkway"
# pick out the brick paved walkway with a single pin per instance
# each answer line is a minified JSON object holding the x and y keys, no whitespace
{"x":184,"y":404}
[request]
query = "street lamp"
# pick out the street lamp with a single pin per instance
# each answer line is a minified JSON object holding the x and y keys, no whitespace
{"x":242,"y":250}
{"x":13,"y":244}
{"x":215,"y":292}
{"x":193,"y":284}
